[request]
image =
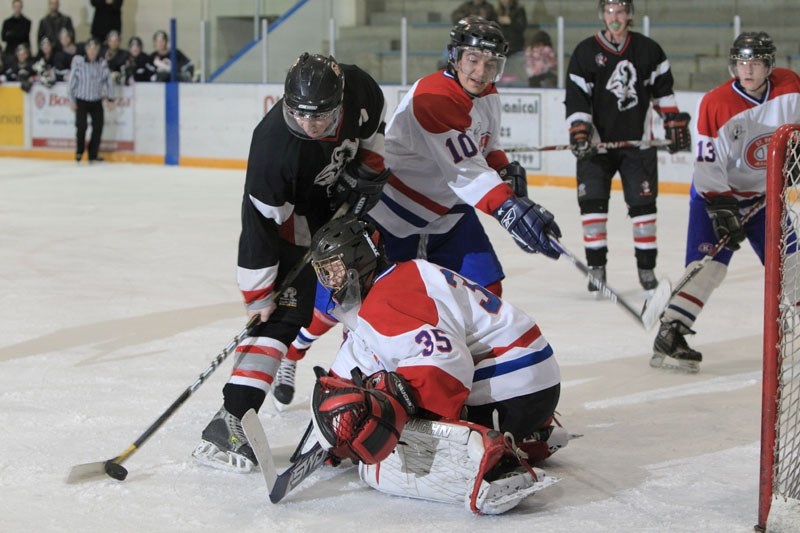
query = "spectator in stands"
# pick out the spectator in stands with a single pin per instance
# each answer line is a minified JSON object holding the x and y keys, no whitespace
{"x":16,"y":28}
{"x":107,"y":18}
{"x":162,"y":63}
{"x":540,"y":61}
{"x":481,"y":8}
{"x":115,"y":57}
{"x":45,"y":62}
{"x":20,"y":68}
{"x":513,"y":21}
{"x":89,"y":85}
{"x":66,"y":50}
{"x":138,"y":66}
{"x":51,"y":24}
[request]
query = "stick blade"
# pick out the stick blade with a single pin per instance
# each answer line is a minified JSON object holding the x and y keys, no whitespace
{"x":656,"y":304}
{"x":260,"y":444}
{"x":86,"y":472}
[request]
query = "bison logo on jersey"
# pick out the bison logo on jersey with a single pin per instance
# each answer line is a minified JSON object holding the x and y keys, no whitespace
{"x":623,"y":84}
{"x":755,"y":153}
{"x":342,"y":154}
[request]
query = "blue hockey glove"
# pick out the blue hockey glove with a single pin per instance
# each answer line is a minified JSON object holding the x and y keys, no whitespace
{"x":530,"y":224}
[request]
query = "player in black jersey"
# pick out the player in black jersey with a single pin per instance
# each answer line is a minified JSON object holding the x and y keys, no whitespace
{"x":614,"y":77}
{"x":319,"y":147}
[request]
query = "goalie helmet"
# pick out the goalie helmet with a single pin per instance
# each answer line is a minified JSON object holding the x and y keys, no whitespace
{"x":346,"y":254}
{"x":627,"y":4}
{"x":314,"y":90}
{"x":751,"y":45}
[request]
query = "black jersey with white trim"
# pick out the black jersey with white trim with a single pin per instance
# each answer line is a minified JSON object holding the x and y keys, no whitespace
{"x":288,"y":178}
{"x":613,"y":86}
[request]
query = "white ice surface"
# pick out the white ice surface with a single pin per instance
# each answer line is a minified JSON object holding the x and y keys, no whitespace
{"x":118,"y":289}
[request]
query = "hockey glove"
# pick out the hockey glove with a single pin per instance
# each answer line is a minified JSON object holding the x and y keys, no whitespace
{"x":359,"y":187}
{"x":515,"y":176}
{"x":580,"y":139}
{"x":394,"y":384}
{"x":676,"y":129}
{"x":724,"y":214}
{"x":530,"y":224}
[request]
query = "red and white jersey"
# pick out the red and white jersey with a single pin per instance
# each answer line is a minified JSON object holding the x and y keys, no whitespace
{"x":454,"y":341}
{"x":734,"y":130}
{"x":442,"y":147}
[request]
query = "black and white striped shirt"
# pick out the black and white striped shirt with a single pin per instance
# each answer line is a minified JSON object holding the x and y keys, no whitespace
{"x":89,"y":80}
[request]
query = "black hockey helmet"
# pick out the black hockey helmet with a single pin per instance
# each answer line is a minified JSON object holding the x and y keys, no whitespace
{"x":314,"y":85}
{"x":751,"y":45}
{"x":477,"y":33}
{"x":627,"y":4}
{"x":346,"y":253}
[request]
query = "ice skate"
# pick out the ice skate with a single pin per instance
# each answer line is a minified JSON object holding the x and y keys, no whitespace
{"x":647,"y":278}
{"x":598,"y":272}
{"x":670,"y":349}
{"x":224,"y":445}
{"x":283,"y":387}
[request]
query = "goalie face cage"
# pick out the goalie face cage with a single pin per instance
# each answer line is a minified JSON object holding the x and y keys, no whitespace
{"x":779,"y":486}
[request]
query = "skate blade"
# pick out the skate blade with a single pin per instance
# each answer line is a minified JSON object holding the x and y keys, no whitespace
{"x":208,"y":454}
{"x":279,"y":406}
{"x":668,"y":363}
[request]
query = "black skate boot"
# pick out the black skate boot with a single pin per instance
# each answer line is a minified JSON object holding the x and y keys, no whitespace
{"x":598,"y":272}
{"x":283,"y":387}
{"x":670,"y":343}
{"x":224,"y":445}
{"x":648,"y":279}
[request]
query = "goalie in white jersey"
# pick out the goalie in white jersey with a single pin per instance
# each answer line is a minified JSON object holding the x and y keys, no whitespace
{"x":434,"y":345}
{"x":734,"y":125}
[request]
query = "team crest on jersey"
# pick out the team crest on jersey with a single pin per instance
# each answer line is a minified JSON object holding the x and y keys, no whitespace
{"x":646,"y":191}
{"x":755,"y":153}
{"x":601,"y":60}
{"x":342,"y":154}
{"x":288,"y":298}
{"x":623,"y":84}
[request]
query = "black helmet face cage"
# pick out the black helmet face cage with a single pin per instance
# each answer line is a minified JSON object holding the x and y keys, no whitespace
{"x":627,"y":4}
{"x":752,"y":46}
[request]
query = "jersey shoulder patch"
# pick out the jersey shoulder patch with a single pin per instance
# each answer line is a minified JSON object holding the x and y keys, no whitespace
{"x":399,"y":302}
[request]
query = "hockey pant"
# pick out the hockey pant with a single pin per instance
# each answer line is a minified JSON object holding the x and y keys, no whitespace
{"x":456,"y":462}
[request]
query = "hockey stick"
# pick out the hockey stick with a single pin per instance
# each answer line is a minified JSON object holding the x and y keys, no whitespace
{"x":279,"y":485}
{"x":113,"y":467}
{"x":610,"y":145}
{"x":700,"y":265}
{"x":653,"y":307}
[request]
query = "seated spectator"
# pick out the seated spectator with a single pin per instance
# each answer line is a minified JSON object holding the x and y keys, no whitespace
{"x":138,"y":66}
{"x":66,"y":50}
{"x":161,"y":60}
{"x":481,"y":8}
{"x":513,"y":21}
{"x":115,"y":57}
{"x":541,"y":62}
{"x":44,"y":64}
{"x":16,"y":28}
{"x":51,"y":24}
{"x":20,"y":68}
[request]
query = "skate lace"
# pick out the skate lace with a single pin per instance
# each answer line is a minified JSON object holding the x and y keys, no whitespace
{"x":237,"y":436}
{"x":286,"y":373}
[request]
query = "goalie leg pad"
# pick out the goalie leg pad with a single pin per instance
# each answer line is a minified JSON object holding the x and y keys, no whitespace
{"x":448,"y":461}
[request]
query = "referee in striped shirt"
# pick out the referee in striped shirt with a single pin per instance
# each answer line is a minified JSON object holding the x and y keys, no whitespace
{"x":89,"y":84}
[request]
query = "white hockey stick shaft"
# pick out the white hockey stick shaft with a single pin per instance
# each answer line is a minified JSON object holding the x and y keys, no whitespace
{"x":611,"y":145}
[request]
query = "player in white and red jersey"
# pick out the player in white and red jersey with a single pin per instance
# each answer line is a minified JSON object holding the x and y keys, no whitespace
{"x":442,"y":144}
{"x":735,"y":123}
{"x":615,"y":80}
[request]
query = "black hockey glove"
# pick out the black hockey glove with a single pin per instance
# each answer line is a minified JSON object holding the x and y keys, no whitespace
{"x":359,"y":187}
{"x":724,"y":214}
{"x":676,"y":129}
{"x":580,"y":139}
{"x":529,"y":224}
{"x":516,"y":177}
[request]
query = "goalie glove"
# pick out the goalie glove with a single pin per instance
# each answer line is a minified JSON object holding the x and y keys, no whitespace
{"x":724,"y":214}
{"x":530,"y":224}
{"x":580,"y":140}
{"x":515,"y":176}
{"x":359,"y":187}
{"x":676,"y":129}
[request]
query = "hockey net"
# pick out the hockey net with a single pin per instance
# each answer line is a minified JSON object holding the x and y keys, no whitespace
{"x":779,"y":488}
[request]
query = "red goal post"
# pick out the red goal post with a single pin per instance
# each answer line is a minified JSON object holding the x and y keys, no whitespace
{"x":779,"y":485}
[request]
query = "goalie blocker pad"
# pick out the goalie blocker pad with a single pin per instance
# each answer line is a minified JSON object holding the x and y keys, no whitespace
{"x":448,"y":462}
